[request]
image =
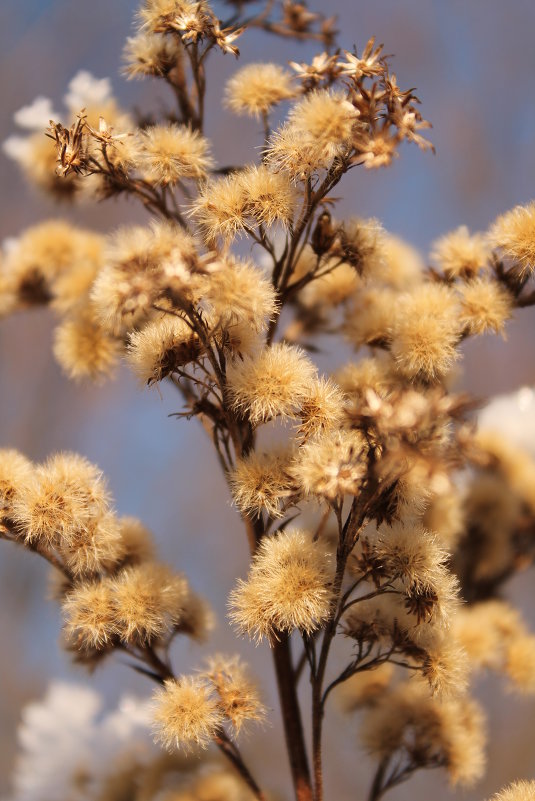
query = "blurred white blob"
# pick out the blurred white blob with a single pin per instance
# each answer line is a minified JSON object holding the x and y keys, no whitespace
{"x":37,"y":115}
{"x":68,"y":744}
{"x":513,"y":416}
{"x":85,"y":91}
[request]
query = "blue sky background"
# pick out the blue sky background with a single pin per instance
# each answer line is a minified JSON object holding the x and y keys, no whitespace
{"x":473,"y":62}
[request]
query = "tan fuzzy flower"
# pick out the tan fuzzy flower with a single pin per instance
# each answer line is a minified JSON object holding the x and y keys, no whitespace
{"x":323,"y":409}
{"x":460,"y":253}
{"x":254,"y":89}
{"x":517,"y":791}
{"x":448,"y":732}
{"x":186,"y":713}
{"x":237,"y":695}
{"x":238,"y":292}
{"x":260,"y":482}
{"x":275,"y":382}
{"x":67,"y":495}
{"x":161,"y":347}
{"x":326,"y":118}
{"x":84,"y":349}
{"x":513,"y":234}
{"x":425,"y":332}
{"x":172,"y":152}
{"x":331,"y":465}
{"x":269,"y":196}
{"x":485,"y":306}
{"x":16,"y":475}
{"x":221,"y":208}
{"x":89,"y":615}
{"x":288,"y":587}
{"x":95,"y":548}
{"x":148,"y":599}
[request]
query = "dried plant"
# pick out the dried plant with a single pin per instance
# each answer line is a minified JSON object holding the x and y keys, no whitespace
{"x":381,"y":515}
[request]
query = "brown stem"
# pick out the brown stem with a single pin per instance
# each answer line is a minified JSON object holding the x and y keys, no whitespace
{"x":377,"y":789}
{"x":230,"y":750}
{"x":291,"y":716}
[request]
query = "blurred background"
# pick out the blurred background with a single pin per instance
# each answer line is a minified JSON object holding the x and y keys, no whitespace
{"x":473,"y":63}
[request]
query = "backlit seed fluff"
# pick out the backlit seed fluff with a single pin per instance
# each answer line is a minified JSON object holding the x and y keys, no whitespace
{"x":335,"y":283}
{"x":160,"y":347}
{"x":89,"y":615}
{"x":520,"y":663}
{"x":288,"y":587}
{"x":369,"y":318}
{"x":174,"y":152}
{"x":260,"y":482}
{"x":136,"y":540}
{"x":277,"y":381}
{"x":148,"y":599}
{"x":186,"y":714}
{"x":450,"y":732}
{"x":331,"y":465}
{"x":237,"y":695}
{"x":297,"y":155}
{"x":425,"y":332}
{"x":412,"y":553}
{"x":148,"y":54}
{"x":485,"y":306}
{"x":365,"y":688}
{"x":253,"y":90}
{"x":326,"y":118}
{"x":518,"y":791}
{"x":402,"y":265}
{"x":323,"y":409}
{"x":67,"y":494}
{"x":83,"y":349}
{"x":460,"y":254}
{"x":95,"y":548}
{"x":16,"y":473}
{"x":221,"y":208}
{"x":240,"y":293}
{"x":269,"y":196}
{"x":513,"y":234}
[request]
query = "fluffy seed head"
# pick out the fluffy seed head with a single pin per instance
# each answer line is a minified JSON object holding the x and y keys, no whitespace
{"x":275,"y":382}
{"x":149,"y":599}
{"x":461,"y":254}
{"x":253,"y":90}
{"x":485,"y":306}
{"x":186,"y":714}
{"x":513,"y":233}
{"x":332,"y":465}
{"x":221,"y":208}
{"x":16,"y":473}
{"x":260,"y":482}
{"x":288,"y":587}
{"x":95,"y":548}
{"x":174,"y":152}
{"x":66,"y":496}
{"x":237,"y":695}
{"x":425,"y":332}
{"x":269,"y":196}
{"x":136,"y":540}
{"x":326,"y":118}
{"x":89,"y":615}
{"x":240,"y":293}
{"x":323,"y":409}
{"x":149,"y":54}
{"x":449,"y":732}
{"x":160,"y":347}
{"x":518,"y":791}
{"x":84,"y":349}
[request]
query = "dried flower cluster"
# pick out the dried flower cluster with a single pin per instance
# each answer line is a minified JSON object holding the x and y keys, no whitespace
{"x":411,"y":520}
